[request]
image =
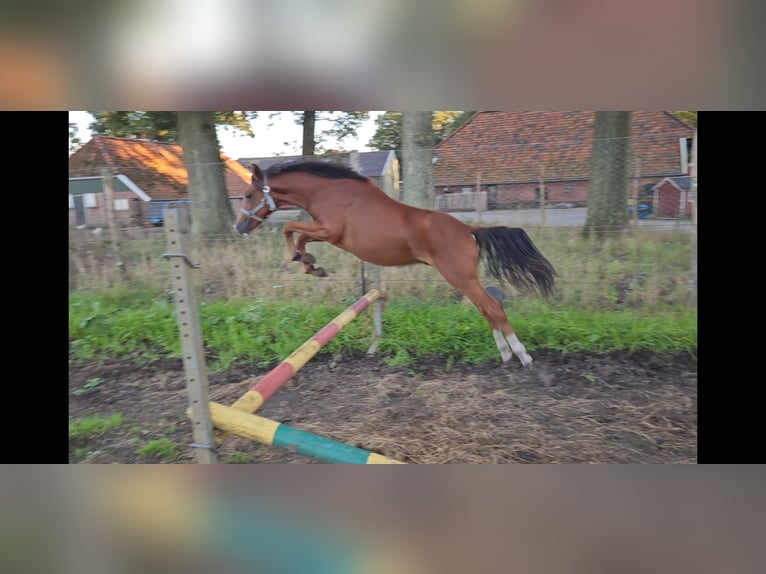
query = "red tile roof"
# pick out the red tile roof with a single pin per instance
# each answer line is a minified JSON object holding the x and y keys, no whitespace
{"x":156,"y":167}
{"x":509,"y":147}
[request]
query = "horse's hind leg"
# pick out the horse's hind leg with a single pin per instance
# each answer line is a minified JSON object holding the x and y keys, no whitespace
{"x":493,"y":312}
{"x":464,"y":279}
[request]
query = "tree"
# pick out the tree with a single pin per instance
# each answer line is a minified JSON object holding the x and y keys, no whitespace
{"x":417,"y":159}
{"x":160,"y":126}
{"x":212,"y":215}
{"x":342,"y":125}
{"x":689,"y":118}
{"x":389,"y":132}
{"x":610,"y":172}
{"x":309,"y":128}
{"x":74,"y":138}
{"x":388,"y":135}
{"x":445,"y":123}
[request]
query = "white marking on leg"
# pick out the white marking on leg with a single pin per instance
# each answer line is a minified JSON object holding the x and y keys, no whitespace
{"x":502,"y":345}
{"x":519,"y":349}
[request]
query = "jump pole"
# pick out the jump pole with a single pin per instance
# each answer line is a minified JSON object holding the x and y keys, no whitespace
{"x":279,"y":435}
{"x":259,"y":393}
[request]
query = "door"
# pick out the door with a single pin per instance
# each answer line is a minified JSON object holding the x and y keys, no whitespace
{"x":79,"y":209}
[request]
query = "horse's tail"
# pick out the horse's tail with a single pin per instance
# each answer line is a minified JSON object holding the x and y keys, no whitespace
{"x":510,"y":255}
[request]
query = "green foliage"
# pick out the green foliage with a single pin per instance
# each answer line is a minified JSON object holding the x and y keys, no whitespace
{"x":93,"y":426}
{"x":626,"y":292}
{"x":91,"y":384}
{"x":689,"y":118}
{"x":238,"y":458}
{"x":265,"y":332}
{"x":160,"y":126}
{"x":340,"y":125}
{"x":388,"y":134}
{"x":100,"y":327}
{"x":162,"y":448}
{"x":74,"y":138}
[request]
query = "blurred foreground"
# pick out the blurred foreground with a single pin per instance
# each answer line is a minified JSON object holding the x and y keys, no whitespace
{"x":413,"y":519}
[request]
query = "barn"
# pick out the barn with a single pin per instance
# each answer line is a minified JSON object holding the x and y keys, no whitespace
{"x":499,"y":159}
{"x":672,"y":197}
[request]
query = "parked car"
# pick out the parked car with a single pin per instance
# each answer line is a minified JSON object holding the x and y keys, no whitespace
{"x":644,"y":210}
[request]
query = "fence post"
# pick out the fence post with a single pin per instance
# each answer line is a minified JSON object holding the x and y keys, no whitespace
{"x":377,"y":312}
{"x":377,"y":308}
{"x":543,"y":214}
{"x":195,"y":368}
{"x":636,"y":187}
{"x":106,"y":183}
{"x":693,"y":192}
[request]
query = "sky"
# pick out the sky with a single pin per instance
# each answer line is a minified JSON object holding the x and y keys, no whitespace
{"x":273,"y":136}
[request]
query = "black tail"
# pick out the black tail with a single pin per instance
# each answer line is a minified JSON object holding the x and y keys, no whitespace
{"x":510,"y":255}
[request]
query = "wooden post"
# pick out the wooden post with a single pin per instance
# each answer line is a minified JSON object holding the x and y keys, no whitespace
{"x":543,"y":215}
{"x":377,"y":308}
{"x":636,"y":179}
{"x":106,"y":184}
{"x":476,"y":198}
{"x":377,"y":312}
{"x":693,"y":192}
{"x":195,"y":368}
{"x":353,"y":163}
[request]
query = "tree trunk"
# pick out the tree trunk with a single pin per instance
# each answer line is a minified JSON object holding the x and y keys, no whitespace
{"x":417,"y":159}
{"x":212,"y":216}
{"x":610,"y":175}
{"x":309,"y":141}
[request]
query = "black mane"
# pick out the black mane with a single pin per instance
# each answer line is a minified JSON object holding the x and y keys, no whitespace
{"x":320,"y":168}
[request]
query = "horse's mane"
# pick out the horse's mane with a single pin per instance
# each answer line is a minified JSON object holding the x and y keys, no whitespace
{"x":319,"y":168}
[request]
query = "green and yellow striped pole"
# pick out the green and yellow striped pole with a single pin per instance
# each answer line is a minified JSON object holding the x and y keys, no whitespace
{"x":276,"y":434}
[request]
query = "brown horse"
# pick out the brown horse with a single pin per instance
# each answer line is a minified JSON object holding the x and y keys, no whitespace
{"x":353,"y":214}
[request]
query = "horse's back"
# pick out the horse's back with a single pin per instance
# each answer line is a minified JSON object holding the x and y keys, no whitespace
{"x":383,"y":231}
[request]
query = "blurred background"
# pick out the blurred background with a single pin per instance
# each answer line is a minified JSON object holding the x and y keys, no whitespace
{"x":341,"y":54}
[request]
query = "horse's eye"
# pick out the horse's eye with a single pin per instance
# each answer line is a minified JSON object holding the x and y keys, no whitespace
{"x":249,"y":196}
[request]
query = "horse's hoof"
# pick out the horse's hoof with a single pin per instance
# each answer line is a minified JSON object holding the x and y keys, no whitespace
{"x":319,"y":272}
{"x":308,"y":258}
{"x":297,"y":257}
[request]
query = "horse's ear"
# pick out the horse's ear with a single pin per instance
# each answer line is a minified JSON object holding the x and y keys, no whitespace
{"x":257,"y":173}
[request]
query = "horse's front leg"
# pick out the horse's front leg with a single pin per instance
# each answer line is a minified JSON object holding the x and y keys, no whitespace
{"x":310,"y":231}
{"x":308,"y":259}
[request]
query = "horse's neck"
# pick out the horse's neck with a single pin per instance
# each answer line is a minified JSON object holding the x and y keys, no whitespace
{"x":289,"y":196}
{"x":307,"y":198}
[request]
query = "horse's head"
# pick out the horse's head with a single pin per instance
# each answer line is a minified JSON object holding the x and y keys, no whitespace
{"x":257,"y":204}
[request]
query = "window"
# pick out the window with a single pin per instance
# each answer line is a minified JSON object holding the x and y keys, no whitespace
{"x":121,"y":205}
{"x":71,"y":201}
{"x":89,"y":200}
{"x":685,"y":145}
{"x":569,"y":187}
{"x":466,"y":190}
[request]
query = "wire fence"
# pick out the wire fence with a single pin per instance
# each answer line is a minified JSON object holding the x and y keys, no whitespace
{"x":644,"y":267}
{"x":651,"y":262}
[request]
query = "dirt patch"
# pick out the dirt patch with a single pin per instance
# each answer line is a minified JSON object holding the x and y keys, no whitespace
{"x":571,"y":408}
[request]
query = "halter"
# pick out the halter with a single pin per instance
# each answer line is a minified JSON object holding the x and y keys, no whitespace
{"x":267,"y":200}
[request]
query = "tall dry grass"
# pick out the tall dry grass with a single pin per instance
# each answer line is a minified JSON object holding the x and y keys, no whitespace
{"x":642,"y":268}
